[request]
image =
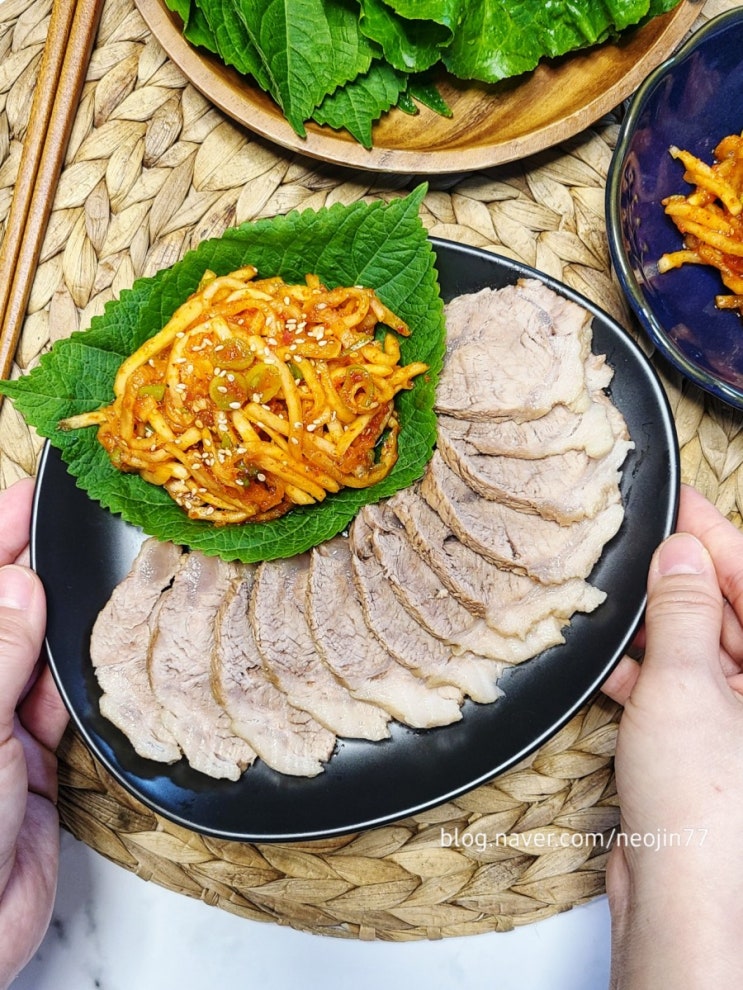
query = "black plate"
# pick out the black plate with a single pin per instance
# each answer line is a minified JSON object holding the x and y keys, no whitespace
{"x":81,"y":552}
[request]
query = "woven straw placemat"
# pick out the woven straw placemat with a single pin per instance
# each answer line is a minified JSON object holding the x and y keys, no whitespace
{"x":152,"y":169}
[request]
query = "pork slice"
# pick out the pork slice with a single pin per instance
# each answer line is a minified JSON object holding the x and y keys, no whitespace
{"x":514,"y":353}
{"x":283,"y":637}
{"x":180,"y":668}
{"x":599,"y":374}
{"x":509,"y":602}
{"x":406,"y":639}
{"x":516,"y":540}
{"x":557,"y":431}
{"x":565,"y":487}
{"x":118,"y":650}
{"x":286,"y":738}
{"x":346,"y":644}
{"x":425,"y":597}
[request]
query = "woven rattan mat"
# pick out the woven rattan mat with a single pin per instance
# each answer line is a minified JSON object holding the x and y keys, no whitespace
{"x":152,"y":169}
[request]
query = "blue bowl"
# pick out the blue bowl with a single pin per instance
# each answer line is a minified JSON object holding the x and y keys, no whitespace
{"x":692,"y":101}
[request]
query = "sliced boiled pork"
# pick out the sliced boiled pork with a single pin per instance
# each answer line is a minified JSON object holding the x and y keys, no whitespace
{"x":528,"y":544}
{"x":514,"y":353}
{"x":180,"y":661}
{"x":404,"y":637}
{"x":118,"y":649}
{"x":426,"y":598}
{"x":286,"y":738}
{"x":343,"y":639}
{"x":558,"y":430}
{"x":290,"y":656}
{"x":510,"y":603}
{"x":565,"y":487}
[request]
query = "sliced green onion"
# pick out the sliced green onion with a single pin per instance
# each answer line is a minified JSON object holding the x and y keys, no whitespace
{"x":234,"y":352}
{"x":156,"y":390}
{"x":263,"y":382}
{"x":226,"y":390}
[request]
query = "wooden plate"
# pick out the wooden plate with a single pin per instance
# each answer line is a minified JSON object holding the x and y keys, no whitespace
{"x":490,"y":125}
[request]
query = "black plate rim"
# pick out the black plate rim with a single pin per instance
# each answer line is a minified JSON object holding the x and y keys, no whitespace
{"x":669,"y":512}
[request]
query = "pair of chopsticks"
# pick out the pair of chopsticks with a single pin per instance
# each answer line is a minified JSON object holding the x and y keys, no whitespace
{"x":62,"y":71}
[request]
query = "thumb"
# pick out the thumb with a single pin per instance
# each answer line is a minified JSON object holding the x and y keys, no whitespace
{"x":683,"y":617}
{"x":22,"y":622}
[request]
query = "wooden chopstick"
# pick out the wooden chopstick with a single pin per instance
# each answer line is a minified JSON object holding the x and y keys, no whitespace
{"x":41,"y":110}
{"x":62,"y":72}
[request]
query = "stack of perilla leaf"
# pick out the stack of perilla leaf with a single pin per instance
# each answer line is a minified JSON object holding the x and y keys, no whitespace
{"x":346,"y":62}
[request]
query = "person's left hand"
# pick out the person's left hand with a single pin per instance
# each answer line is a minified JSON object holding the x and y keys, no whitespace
{"x":32,"y":721}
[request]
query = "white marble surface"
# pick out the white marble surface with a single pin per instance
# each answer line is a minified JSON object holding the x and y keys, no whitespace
{"x":113,"y":931}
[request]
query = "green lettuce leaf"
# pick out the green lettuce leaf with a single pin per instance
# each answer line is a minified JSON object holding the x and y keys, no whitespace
{"x":448,"y":13}
{"x":383,"y":246}
{"x":498,"y":39}
{"x":658,"y":7}
{"x":408,"y":45}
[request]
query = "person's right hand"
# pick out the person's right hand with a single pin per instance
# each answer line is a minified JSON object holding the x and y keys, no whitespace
{"x":676,"y":895}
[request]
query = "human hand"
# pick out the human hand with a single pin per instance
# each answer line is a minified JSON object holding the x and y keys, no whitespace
{"x":32,"y":720}
{"x":676,"y":896}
